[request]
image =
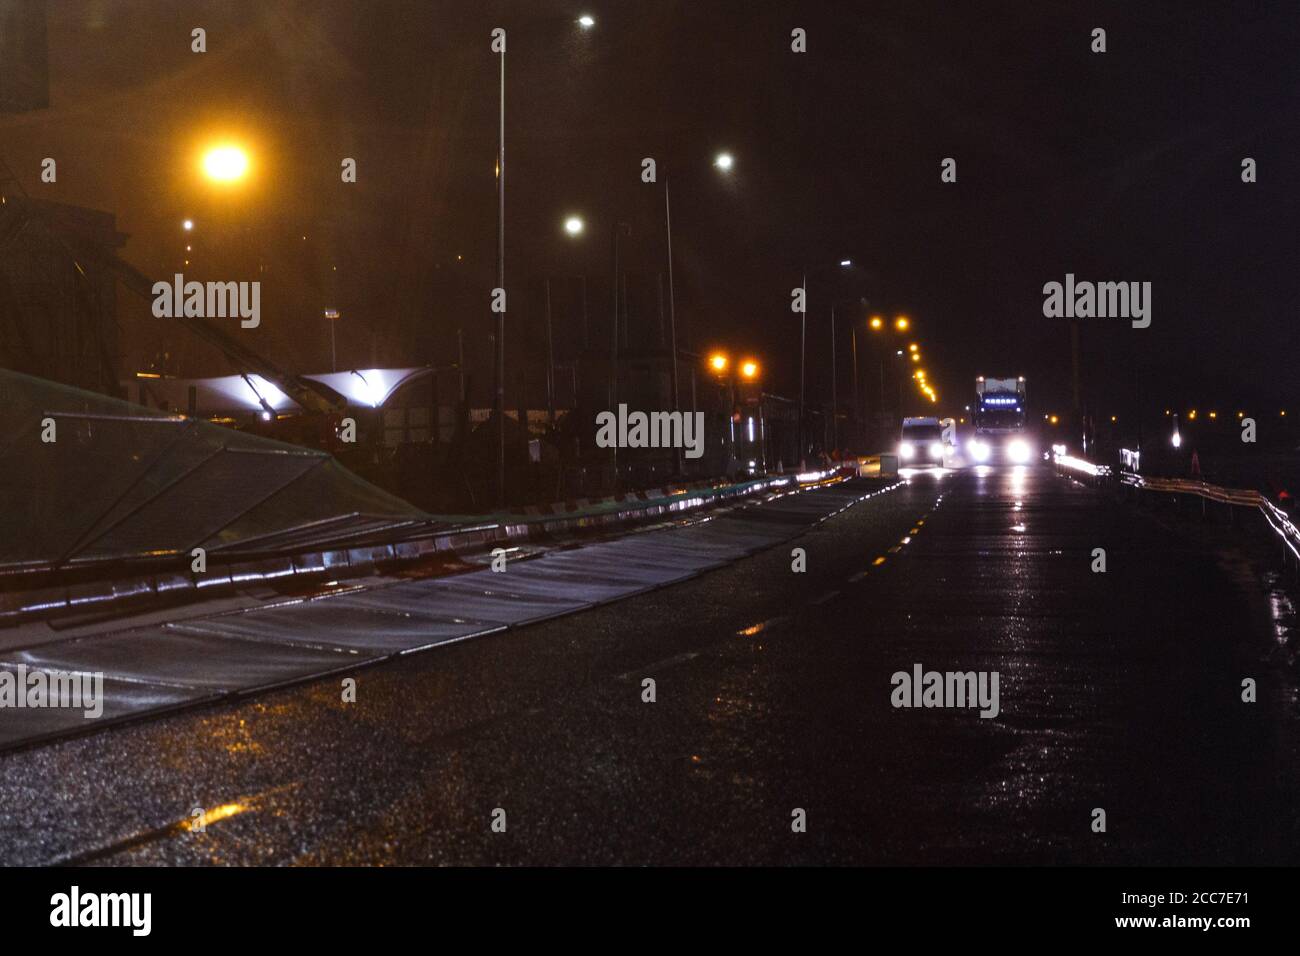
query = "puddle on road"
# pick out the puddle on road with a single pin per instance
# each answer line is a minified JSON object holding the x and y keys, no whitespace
{"x":1282,"y":614}
{"x":761,"y":626}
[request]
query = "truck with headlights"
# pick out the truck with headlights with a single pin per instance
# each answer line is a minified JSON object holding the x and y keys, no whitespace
{"x":1000,"y":418}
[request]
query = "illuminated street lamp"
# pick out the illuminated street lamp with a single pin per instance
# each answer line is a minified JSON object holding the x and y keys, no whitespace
{"x":574,"y":225}
{"x":749,"y":370}
{"x":723,"y":162}
{"x":187,"y":225}
{"x":718,"y":362}
{"x":901,"y":323}
{"x":584,"y":22}
{"x":332,"y":317}
{"x":225,"y":164}
{"x":803,"y":354}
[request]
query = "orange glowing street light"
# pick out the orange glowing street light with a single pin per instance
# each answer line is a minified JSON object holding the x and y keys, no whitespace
{"x":877,"y":323}
{"x":225,"y":164}
{"x":902,"y":323}
{"x":749,"y":369}
{"x":718,"y":362}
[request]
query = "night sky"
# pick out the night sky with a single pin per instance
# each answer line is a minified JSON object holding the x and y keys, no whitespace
{"x":1117,"y":166}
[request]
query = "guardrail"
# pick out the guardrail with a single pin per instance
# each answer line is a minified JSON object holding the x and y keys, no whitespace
{"x":1277,"y":519}
{"x":135,"y":587}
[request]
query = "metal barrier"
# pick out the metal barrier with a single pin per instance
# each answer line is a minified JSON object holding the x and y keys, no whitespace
{"x":1278,"y":520}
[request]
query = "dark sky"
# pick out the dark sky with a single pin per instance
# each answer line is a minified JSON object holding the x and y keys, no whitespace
{"x":1119,"y":166}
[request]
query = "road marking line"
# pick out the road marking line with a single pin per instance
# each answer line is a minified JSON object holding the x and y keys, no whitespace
{"x":660,"y":665}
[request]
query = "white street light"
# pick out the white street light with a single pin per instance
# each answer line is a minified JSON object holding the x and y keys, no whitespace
{"x":574,"y":225}
{"x":586,"y":21}
{"x":724,"y":161}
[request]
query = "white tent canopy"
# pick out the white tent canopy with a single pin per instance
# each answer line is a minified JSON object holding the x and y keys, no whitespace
{"x":232,"y":395}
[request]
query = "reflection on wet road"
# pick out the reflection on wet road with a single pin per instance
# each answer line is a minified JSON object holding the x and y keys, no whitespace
{"x":1118,"y":691}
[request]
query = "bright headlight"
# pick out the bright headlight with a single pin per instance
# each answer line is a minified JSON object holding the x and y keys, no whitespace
{"x":906,"y":449}
{"x":1019,"y":452}
{"x":979,"y":451}
{"x":936,"y":450}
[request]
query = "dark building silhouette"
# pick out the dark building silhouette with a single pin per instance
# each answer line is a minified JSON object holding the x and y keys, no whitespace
{"x":58,"y":305}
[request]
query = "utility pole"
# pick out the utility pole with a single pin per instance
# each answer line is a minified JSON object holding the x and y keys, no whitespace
{"x":672,"y":315}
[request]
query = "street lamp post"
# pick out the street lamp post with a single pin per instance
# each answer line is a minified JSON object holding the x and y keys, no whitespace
{"x":835,"y":401}
{"x":585,"y":22}
{"x":857,"y":395}
{"x":550,"y":361}
{"x":724,"y":162}
{"x":900,"y":324}
{"x":619,"y":229}
{"x":835,"y":394}
{"x":803,"y":357}
{"x":499,"y":363}
{"x":728,"y":375}
{"x":720,"y":366}
{"x":332,"y":317}
{"x":803,"y":364}
{"x":672,"y":315}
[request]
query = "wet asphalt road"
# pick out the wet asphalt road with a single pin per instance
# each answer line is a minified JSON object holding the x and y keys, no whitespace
{"x":1118,"y":690}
